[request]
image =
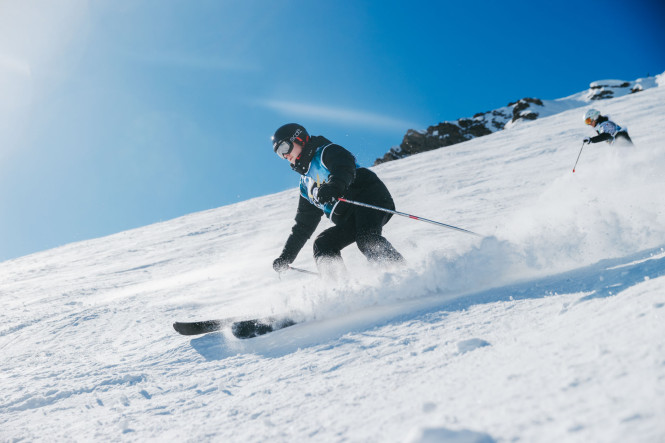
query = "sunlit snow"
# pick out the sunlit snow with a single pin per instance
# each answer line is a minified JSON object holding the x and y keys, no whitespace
{"x":550,"y":328}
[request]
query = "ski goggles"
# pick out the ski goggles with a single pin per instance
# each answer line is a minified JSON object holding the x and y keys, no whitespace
{"x":283,"y":148}
{"x":588,"y":121}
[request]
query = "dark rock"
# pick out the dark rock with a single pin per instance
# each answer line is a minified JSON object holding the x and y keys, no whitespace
{"x":450,"y":133}
{"x":602,"y":95}
{"x":600,"y":86}
{"x":604,"y":91}
{"x":523,"y":104}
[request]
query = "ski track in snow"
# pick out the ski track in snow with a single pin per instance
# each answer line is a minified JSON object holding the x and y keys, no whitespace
{"x":551,"y":328}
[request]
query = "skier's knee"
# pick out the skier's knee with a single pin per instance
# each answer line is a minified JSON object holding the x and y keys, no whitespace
{"x":323,"y":249}
{"x":377,"y":249}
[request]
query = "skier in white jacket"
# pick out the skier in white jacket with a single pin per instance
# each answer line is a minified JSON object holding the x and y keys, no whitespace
{"x":607,"y":130}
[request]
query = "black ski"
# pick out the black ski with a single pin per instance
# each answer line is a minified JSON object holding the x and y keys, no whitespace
{"x":259,"y":326}
{"x":199,"y":327}
{"x":241,"y":329}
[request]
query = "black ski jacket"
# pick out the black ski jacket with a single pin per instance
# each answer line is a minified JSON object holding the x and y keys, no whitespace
{"x":351,"y":182}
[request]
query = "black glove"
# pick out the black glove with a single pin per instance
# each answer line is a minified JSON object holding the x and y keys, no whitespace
{"x":281,"y":264}
{"x":587,"y":140}
{"x":326,"y":193}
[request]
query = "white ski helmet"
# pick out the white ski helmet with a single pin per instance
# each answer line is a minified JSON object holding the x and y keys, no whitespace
{"x":591,"y":115}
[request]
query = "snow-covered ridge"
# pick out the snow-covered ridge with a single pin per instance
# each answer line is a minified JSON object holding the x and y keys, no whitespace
{"x":526,"y":109}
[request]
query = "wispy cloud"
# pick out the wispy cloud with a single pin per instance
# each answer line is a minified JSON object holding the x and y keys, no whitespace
{"x":340,"y":115}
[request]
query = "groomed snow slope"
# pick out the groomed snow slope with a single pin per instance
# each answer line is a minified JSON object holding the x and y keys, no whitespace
{"x":551,"y":328}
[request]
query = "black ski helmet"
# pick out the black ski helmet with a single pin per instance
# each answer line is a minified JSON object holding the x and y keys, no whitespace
{"x":289,"y":133}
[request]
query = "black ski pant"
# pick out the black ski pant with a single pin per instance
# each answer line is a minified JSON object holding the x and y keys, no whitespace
{"x":623,"y":135}
{"x":363,"y":227}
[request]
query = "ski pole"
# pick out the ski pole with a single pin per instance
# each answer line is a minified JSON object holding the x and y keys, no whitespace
{"x":304,"y":271}
{"x":413,"y":217}
{"x":578,"y":157}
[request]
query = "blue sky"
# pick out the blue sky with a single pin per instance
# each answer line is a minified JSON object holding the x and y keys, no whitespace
{"x":117,"y":114}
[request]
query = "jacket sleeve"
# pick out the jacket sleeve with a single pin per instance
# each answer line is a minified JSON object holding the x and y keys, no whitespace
{"x":601,"y":138}
{"x":342,"y":166}
{"x":308,"y":217}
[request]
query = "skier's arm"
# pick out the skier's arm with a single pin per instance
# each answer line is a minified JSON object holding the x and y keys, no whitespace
{"x":600,"y":138}
{"x":307,"y":219}
{"x":342,"y":167}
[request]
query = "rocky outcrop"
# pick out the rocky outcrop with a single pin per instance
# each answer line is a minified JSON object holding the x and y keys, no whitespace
{"x":607,"y":89}
{"x":450,"y":133}
{"x":522,"y":109}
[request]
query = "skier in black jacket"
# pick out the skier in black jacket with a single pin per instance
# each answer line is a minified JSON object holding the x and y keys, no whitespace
{"x":328,"y":171}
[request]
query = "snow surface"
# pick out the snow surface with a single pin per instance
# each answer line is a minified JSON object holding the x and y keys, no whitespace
{"x":551,"y":328}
